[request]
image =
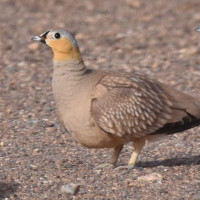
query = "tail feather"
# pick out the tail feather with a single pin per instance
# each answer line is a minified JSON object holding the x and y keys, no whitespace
{"x":186,"y":123}
{"x":185,"y":112}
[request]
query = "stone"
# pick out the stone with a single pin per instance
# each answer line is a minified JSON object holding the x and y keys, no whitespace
{"x":70,"y":188}
{"x":196,"y":196}
{"x":150,"y":177}
{"x":33,"y":46}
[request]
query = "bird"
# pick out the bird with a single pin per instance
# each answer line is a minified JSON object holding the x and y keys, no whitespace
{"x":107,"y":109}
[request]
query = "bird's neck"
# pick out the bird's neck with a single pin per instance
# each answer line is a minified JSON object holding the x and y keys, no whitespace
{"x":71,"y":54}
{"x":71,"y":69}
{"x":68,"y":86}
{"x":67,"y":78}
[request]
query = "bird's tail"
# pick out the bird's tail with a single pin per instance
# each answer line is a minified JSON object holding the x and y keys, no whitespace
{"x":179,"y":126}
{"x":185,"y":112}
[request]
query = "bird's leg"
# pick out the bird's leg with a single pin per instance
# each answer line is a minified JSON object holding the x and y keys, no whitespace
{"x":111,"y":163}
{"x":138,"y":145}
{"x":115,"y":154}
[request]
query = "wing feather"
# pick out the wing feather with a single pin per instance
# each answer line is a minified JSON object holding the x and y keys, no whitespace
{"x":130,"y":105}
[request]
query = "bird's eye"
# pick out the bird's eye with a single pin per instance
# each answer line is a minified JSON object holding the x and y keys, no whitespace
{"x":57,"y":35}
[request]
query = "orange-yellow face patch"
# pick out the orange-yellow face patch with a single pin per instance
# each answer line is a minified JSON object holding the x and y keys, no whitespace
{"x":63,"y":49}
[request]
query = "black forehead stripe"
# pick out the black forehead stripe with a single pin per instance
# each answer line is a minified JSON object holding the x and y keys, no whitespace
{"x":45,"y":34}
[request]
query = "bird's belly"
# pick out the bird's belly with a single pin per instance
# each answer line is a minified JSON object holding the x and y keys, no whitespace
{"x":94,"y":137}
{"x":84,"y":130}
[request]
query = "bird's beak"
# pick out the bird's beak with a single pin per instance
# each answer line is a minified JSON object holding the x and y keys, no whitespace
{"x":198,"y":29}
{"x":41,"y":38}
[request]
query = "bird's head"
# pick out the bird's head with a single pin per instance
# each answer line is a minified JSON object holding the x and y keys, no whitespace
{"x":63,"y":44}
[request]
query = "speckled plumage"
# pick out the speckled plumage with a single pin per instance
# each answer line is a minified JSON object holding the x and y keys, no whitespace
{"x":132,"y":105}
{"x":104,"y":109}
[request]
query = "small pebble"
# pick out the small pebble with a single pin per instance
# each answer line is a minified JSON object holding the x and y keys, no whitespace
{"x":196,"y":196}
{"x":36,"y":151}
{"x":70,"y":188}
{"x":150,"y":177}
{"x":8,"y":111}
{"x":2,"y":144}
{"x":49,"y":124}
{"x":33,"y":46}
{"x":131,"y":184}
{"x":134,"y":4}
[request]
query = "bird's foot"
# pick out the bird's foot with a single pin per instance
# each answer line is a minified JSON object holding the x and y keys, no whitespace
{"x":125,"y":167}
{"x":105,"y":166}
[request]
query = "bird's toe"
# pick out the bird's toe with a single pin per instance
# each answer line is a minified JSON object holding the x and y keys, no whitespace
{"x":125,"y":167}
{"x":105,"y":166}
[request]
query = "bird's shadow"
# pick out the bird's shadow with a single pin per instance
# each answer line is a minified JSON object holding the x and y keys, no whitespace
{"x":192,"y":160}
{"x":6,"y":189}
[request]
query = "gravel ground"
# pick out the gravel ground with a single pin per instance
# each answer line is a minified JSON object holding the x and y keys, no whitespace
{"x":37,"y":156}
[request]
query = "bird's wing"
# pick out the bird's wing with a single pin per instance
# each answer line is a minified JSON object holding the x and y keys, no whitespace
{"x":127,"y":104}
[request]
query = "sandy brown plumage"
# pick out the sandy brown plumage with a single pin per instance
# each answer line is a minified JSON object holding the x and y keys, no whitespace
{"x":103,"y":109}
{"x":135,"y":105}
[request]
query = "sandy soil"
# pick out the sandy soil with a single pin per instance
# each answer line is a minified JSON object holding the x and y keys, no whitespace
{"x":37,"y":156}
